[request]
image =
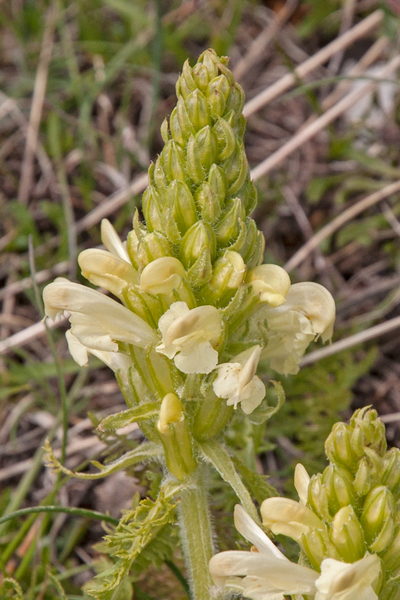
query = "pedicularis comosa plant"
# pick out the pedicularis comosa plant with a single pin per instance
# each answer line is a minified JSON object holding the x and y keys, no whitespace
{"x":196,"y":312}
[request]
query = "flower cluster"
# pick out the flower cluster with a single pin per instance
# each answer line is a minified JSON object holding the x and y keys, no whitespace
{"x":193,"y":298}
{"x":346,"y":524}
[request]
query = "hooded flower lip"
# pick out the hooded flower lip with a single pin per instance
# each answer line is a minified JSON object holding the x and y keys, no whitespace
{"x":307,"y":313}
{"x":263,"y":575}
{"x":97,"y":321}
{"x":270,"y":282}
{"x":344,"y":581}
{"x":288,"y":517}
{"x":188,"y":336}
{"x":237,"y":381}
{"x":162,"y":276}
{"x":107,"y":270}
{"x":112,"y":241}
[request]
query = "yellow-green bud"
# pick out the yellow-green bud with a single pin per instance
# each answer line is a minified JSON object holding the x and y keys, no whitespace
{"x":197,"y":239}
{"x":210,"y":60}
{"x":200,"y":76}
{"x":157,"y":175}
{"x":217,"y":180}
{"x":364,"y":480}
{"x":317,"y":497}
{"x":248,"y":195}
{"x":197,"y":108}
{"x":338,"y":482}
{"x":377,"y":518}
{"x":235,"y":100}
{"x":151,"y":206}
{"x":347,"y":535}
{"x":231,"y":223}
{"x":194,"y":168}
{"x":217,"y":95}
{"x":200,"y":272}
{"x":228,"y":274}
{"x":391,"y":557}
{"x":175,"y":437}
{"x":173,"y":161}
{"x":206,"y":147}
{"x":180,"y":124}
{"x":252,"y":250}
{"x":186,"y":83}
{"x":391,"y":473}
{"x":368,"y":431}
{"x":338,"y":447}
{"x":151,"y":246}
{"x":179,"y":198}
{"x":207,"y":203}
{"x":236,"y":169}
{"x":317,"y":546}
{"x":226,"y":139}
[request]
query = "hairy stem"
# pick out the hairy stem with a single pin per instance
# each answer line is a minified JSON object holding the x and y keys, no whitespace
{"x":196,"y":535}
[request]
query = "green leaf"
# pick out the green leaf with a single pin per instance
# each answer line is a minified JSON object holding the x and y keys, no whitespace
{"x":257,"y":484}
{"x":9,"y":588}
{"x":146,"y":451}
{"x":126,"y":417}
{"x":214,"y":453}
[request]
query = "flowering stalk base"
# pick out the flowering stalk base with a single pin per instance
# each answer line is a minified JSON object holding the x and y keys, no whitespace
{"x":196,"y":535}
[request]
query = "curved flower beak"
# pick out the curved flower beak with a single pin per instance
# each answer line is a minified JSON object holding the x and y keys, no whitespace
{"x":270,"y":282}
{"x":162,"y":276}
{"x":288,"y":517}
{"x":107,"y":270}
{"x":112,"y":241}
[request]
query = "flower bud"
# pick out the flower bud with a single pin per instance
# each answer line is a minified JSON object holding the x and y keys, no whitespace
{"x":270,"y":283}
{"x":391,"y":473}
{"x":228,"y":274}
{"x":206,"y":147}
{"x":157,"y":175}
{"x":180,"y":124}
{"x":165,"y":131}
{"x":339,"y":449}
{"x":151,"y":207}
{"x":173,"y":161}
{"x":338,"y":482}
{"x":217,"y":180}
{"x":226,"y":139}
{"x":252,"y":250}
{"x":200,"y":76}
{"x":391,"y":557}
{"x":236,"y":169}
{"x":368,"y":431}
{"x":151,"y":246}
{"x":363,"y":480}
{"x":377,"y":518}
{"x":231,"y":223}
{"x":317,"y":497}
{"x":200,"y":272}
{"x":211,"y":61}
{"x":347,"y":535}
{"x":180,"y":199}
{"x":207,"y":203}
{"x":317,"y":546}
{"x":175,"y":437}
{"x":162,"y":276}
{"x":217,"y":94}
{"x":186,"y":83}
{"x":199,"y":238}
{"x":197,"y":108}
{"x":235,"y":100}
{"x":248,"y":195}
{"x":194,"y":168}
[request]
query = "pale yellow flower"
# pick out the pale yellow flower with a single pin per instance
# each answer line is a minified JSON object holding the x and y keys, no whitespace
{"x":162,"y":276}
{"x":107,"y":270}
{"x":188,"y":336}
{"x":270,"y":282}
{"x":344,"y":581}
{"x":112,"y":241}
{"x":237,"y":381}
{"x":288,"y":517}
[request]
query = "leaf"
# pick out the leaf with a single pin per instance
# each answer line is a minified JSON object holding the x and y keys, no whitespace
{"x":214,"y":453}
{"x":146,"y":451}
{"x":143,"y":536}
{"x":257,"y":484}
{"x":9,"y":588}
{"x":126,"y":417}
{"x":264,"y":412}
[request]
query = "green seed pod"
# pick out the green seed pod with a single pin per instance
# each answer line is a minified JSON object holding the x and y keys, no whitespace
{"x":206,"y":147}
{"x":151,"y":206}
{"x":197,"y":239}
{"x":229,"y":226}
{"x":377,"y":518}
{"x":173,"y":161}
{"x":197,"y":108}
{"x":217,"y":180}
{"x":338,"y":482}
{"x":317,"y":498}
{"x":391,"y":473}
{"x":347,"y":535}
{"x":226,"y":139}
{"x":207,"y":204}
{"x":339,"y":449}
{"x":194,"y":168}
{"x":180,"y":199}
